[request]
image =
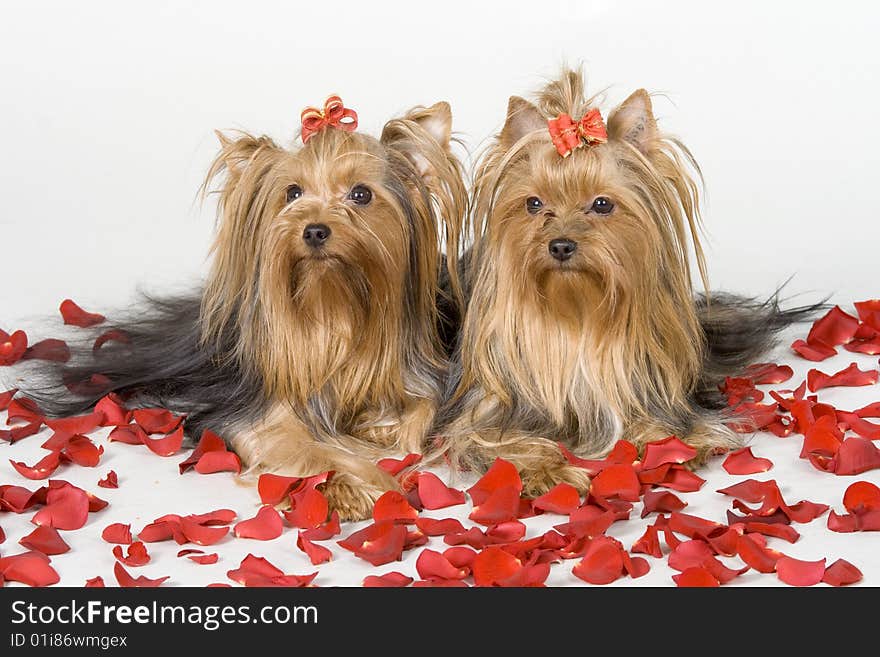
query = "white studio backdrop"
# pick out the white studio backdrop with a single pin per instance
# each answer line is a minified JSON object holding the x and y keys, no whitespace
{"x":108,"y":108}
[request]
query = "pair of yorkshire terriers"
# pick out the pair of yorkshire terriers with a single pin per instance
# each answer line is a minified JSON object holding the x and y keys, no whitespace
{"x":332,"y":329}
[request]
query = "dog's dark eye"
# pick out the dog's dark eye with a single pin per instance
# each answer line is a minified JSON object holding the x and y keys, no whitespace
{"x":360,"y":195}
{"x":534,"y":204}
{"x":602,"y":205}
{"x":294,"y":192}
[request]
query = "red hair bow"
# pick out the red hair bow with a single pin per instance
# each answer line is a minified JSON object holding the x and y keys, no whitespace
{"x":568,"y":135}
{"x":334,"y":114}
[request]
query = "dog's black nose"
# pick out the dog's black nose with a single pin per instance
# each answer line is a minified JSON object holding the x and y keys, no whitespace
{"x":316,"y":234}
{"x":562,"y":249}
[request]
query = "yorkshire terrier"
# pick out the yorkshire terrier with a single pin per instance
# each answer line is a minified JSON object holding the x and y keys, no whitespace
{"x":582,"y":326}
{"x":314,"y":344}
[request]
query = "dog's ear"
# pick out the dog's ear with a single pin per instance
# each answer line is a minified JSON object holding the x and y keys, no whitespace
{"x":633,"y":121}
{"x":422,"y":136}
{"x":522,"y":119}
{"x":238,"y":149}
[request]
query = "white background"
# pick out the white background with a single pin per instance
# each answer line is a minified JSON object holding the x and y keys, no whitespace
{"x":107,"y":111}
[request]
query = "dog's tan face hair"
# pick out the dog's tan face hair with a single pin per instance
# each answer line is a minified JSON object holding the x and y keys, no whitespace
{"x":327,"y":256}
{"x":582,"y":287}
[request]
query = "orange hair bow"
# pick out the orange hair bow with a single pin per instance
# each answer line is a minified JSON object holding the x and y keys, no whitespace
{"x":334,"y":114}
{"x":568,"y":135}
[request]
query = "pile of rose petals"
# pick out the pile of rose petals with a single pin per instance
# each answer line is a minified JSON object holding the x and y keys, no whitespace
{"x":484,"y":535}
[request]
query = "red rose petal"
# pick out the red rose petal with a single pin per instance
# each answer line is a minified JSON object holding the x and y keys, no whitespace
{"x":6,"y":397}
{"x":309,"y":511}
{"x":563,"y":498}
{"x":191,"y":530}
{"x":95,"y":583}
{"x":602,"y":562}
{"x":501,"y":505}
{"x":501,"y":475}
{"x":156,"y":420}
{"x":795,"y":572}
{"x":209,"y":442}
{"x":862,"y":496}
{"x":862,"y":427}
{"x":117,"y":533}
{"x":67,"y":507}
{"x":39,"y":470}
{"x":432,"y":527}
{"x":662,"y":501}
{"x":265,"y":526}
{"x":82,"y":451}
{"x":743,"y":462}
{"x":130,"y":434}
{"x":696,"y":577}
{"x":843,"y":523}
{"x":218,"y":462}
{"x":30,"y":568}
{"x":668,"y":450}
{"x":274,"y":488}
{"x":648,"y":543}
{"x":755,"y":556}
{"x":23,"y":409}
{"x":815,"y":352}
{"x":618,"y":481}
{"x":113,"y":411}
{"x":432,"y":564}
{"x":395,"y":466}
{"x":379,"y":543}
{"x":393,"y":506}
{"x":168,"y":445}
{"x":855,"y":456}
{"x":841,"y":573}
{"x":849,"y":376}
{"x":869,"y":312}
{"x":778,"y":530}
{"x":257,"y":571}
{"x":325,"y":530}
{"x":765,"y":373}
{"x":12,"y":347}
{"x":46,"y":540}
{"x":127,"y":581}
{"x":110,"y":481}
{"x":136,"y":554}
{"x":113,"y":334}
{"x":834,"y":328}
{"x":51,"y":349}
{"x":393,"y":579}
{"x":434,"y":494}
{"x":204,"y":559}
{"x":494,"y":565}
{"x":317,"y":554}
{"x":17,"y":433}
{"x":76,"y":316}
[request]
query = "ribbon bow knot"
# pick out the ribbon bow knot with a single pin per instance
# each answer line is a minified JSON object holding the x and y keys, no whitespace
{"x":334,"y":114}
{"x":568,"y":134}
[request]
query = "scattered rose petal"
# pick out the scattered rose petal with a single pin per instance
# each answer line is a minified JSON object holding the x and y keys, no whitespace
{"x":432,"y":527}
{"x":51,"y":349}
{"x":795,"y":572}
{"x":257,"y":571}
{"x":265,"y":526}
{"x":317,"y":554}
{"x":76,"y":316}
{"x":432,"y":564}
{"x":127,"y":581}
{"x":849,"y":376}
{"x":12,"y":347}
{"x":841,"y":573}
{"x":765,"y":373}
{"x":46,"y":540}
{"x":136,"y":554}
{"x":662,"y":501}
{"x":563,"y":498}
{"x":67,"y":507}
{"x":6,"y":397}
{"x":39,"y":470}
{"x":696,"y":577}
{"x":110,"y":481}
{"x":393,"y":579}
{"x":394,"y":507}
{"x":218,"y":462}
{"x":616,"y":481}
{"x":209,"y":442}
{"x":815,"y":352}
{"x":168,"y":445}
{"x":743,"y":462}
{"x":113,"y":411}
{"x":395,"y":466}
{"x":434,"y":494}
{"x":95,"y":583}
{"x":117,"y":533}
{"x":30,"y":568}
{"x":379,"y":543}
{"x":113,"y":334}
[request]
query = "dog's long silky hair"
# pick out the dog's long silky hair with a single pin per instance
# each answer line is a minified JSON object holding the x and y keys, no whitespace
{"x":609,"y":343}
{"x":308,"y":359}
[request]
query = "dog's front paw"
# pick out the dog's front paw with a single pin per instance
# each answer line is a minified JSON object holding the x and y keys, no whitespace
{"x":354,"y":498}
{"x":539,"y":480}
